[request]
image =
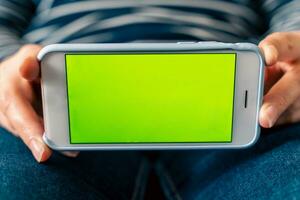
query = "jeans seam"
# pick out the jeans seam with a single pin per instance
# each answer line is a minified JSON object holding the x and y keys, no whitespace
{"x":167,"y":183}
{"x":141,"y":181}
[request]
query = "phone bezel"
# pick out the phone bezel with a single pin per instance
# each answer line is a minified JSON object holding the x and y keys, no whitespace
{"x":54,"y":91}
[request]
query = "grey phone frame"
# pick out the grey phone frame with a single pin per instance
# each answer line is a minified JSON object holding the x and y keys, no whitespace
{"x":56,"y":133}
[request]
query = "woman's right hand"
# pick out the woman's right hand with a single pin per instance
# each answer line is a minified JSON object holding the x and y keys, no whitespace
{"x":20,"y":100}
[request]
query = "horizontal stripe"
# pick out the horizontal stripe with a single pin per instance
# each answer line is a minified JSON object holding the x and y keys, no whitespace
{"x":54,"y":21}
{"x":84,"y":6}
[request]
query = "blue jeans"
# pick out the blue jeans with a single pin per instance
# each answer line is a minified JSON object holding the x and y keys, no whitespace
{"x":268,"y":170}
{"x":92,"y":175}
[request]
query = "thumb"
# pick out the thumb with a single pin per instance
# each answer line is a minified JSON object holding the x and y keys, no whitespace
{"x":29,"y":65}
{"x":281,"y":47}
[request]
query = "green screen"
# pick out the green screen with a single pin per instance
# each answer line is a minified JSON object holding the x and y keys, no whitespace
{"x":150,"y":98}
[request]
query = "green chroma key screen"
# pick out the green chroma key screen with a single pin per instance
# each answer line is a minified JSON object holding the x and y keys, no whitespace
{"x":150,"y":98}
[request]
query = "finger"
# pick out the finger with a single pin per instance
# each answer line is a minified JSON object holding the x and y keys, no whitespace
{"x":29,"y":66}
{"x":281,"y":47}
{"x":279,"y":98}
{"x":272,"y":75}
{"x":72,"y":154}
{"x":29,"y":127}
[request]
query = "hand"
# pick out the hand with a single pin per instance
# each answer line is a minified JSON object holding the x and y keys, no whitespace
{"x":281,"y":103}
{"x":20,"y":100}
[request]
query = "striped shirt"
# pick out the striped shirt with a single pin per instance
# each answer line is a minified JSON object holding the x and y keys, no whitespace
{"x":101,"y":21}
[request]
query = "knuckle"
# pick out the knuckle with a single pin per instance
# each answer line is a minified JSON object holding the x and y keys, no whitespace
{"x":282,"y":101}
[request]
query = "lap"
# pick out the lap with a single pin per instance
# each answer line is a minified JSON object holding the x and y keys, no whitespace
{"x":92,"y":175}
{"x":268,"y":170}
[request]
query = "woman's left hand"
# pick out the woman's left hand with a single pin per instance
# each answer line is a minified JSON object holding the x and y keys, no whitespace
{"x":281,"y":103}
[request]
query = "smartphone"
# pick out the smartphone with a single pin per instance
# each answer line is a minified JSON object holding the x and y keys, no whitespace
{"x":151,"y":95}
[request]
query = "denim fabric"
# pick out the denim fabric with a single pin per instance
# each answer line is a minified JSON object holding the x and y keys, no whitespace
{"x":93,"y":175}
{"x":268,"y":170}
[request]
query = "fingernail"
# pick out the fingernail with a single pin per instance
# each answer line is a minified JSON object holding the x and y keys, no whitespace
{"x":269,"y":115}
{"x":270,"y":54}
{"x":37,"y":149}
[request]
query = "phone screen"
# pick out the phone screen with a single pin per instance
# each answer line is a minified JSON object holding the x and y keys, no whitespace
{"x":150,"y":98}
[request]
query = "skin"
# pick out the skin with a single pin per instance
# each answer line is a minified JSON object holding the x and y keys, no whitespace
{"x":20,"y":100}
{"x":281,"y":103}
